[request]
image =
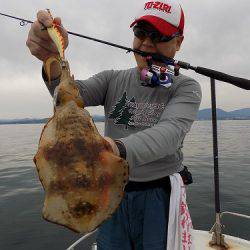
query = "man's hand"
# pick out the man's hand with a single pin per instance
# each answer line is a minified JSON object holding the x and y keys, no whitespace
{"x":113,"y":145}
{"x":39,"y":42}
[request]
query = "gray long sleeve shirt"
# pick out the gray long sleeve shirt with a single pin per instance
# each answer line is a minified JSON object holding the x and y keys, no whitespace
{"x":151,"y":122}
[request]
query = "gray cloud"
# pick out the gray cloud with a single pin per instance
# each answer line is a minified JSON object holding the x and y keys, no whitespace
{"x":216,"y":36}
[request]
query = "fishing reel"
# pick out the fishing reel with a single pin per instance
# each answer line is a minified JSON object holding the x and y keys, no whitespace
{"x":154,"y":76}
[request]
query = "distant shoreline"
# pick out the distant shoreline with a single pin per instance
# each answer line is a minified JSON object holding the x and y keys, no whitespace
{"x":44,"y":122}
{"x":96,"y":118}
{"x":203,"y":115}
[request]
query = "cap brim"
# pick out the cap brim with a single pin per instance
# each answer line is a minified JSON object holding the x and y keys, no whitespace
{"x":161,"y":25}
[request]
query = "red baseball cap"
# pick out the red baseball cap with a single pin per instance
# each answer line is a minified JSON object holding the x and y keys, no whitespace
{"x":166,"y":16}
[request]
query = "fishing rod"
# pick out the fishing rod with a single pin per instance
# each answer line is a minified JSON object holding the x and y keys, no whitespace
{"x":236,"y":81}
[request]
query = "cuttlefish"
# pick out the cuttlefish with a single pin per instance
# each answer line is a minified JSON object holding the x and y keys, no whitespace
{"x":83,"y":179}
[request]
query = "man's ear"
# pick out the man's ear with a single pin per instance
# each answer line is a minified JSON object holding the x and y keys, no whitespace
{"x":179,"y":41}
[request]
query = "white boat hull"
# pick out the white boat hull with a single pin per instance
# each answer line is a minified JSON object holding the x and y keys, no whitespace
{"x":201,"y":241}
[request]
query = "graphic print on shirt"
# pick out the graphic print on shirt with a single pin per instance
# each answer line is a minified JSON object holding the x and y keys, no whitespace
{"x":130,"y":113}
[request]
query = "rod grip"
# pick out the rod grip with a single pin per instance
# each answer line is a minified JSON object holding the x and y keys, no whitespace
{"x":237,"y":81}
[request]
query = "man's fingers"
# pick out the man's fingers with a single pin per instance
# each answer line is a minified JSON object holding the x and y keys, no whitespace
{"x":58,"y":21}
{"x":39,"y":41}
{"x":41,"y":49}
{"x":46,"y":45}
{"x":43,"y":34}
{"x":113,"y":145}
{"x":35,"y":50}
{"x":38,"y":31}
{"x":44,"y":18}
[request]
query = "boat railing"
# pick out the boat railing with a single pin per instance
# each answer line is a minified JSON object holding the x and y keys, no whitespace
{"x":235,"y":214}
{"x":80,"y":240}
{"x":229,"y":213}
{"x":218,"y":239}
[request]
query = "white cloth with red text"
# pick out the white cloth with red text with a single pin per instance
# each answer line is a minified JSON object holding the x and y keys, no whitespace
{"x":180,"y":224}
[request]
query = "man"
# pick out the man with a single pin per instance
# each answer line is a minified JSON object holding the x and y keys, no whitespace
{"x":146,"y":126}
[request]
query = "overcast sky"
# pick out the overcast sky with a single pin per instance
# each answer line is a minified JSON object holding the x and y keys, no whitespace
{"x":217,"y":36}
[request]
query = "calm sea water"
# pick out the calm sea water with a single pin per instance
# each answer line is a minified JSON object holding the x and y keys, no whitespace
{"x":21,"y":194}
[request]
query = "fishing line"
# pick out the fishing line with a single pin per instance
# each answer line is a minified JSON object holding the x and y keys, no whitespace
{"x":155,"y":57}
{"x":237,"y":81}
{"x":25,"y":22}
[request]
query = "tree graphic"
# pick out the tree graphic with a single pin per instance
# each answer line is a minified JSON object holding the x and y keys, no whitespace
{"x":126,"y":116}
{"x":120,"y":105}
{"x":132,"y":108}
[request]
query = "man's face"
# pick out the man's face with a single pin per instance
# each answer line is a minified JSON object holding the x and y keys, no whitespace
{"x":167,"y":49}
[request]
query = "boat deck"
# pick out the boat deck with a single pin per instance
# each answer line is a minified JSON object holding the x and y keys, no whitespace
{"x":202,"y":238}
